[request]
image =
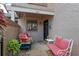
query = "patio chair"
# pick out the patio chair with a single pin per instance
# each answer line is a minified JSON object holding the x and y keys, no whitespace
{"x":23,"y":37}
{"x":61,"y":47}
{"x":25,"y":41}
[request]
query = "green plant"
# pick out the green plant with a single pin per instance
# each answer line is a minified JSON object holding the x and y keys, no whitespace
{"x":14,"y":46}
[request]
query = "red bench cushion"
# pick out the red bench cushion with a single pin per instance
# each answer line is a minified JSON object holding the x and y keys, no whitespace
{"x":54,"y":48}
{"x":61,"y":43}
{"x":64,"y":44}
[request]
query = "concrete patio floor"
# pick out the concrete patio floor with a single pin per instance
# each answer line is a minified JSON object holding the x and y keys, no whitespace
{"x":38,"y":49}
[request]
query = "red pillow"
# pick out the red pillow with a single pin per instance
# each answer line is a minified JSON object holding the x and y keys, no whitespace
{"x":63,"y":44}
{"x":23,"y":37}
{"x":58,"y":40}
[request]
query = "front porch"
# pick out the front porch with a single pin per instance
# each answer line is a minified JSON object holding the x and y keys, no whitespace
{"x":39,"y":35}
{"x":38,"y":26}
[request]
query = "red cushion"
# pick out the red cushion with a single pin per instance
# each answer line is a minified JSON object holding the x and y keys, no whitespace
{"x":64,"y":44}
{"x":58,"y":40}
{"x":54,"y":48}
{"x":61,"y":43}
{"x":23,"y":37}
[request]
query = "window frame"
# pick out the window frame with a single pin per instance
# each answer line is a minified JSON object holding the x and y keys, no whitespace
{"x":31,"y":22}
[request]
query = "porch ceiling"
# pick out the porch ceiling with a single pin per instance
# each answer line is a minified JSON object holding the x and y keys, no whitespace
{"x":29,"y":10}
{"x":24,"y":15}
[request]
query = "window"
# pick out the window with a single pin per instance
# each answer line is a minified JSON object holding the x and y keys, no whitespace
{"x":32,"y":25}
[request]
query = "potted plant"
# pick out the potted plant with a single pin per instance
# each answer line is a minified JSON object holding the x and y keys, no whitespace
{"x":14,"y":46}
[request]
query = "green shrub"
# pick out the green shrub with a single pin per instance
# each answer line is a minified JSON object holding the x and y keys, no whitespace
{"x":14,"y":46}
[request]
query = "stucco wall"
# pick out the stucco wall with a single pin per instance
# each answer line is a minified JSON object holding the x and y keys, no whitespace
{"x":10,"y":32}
{"x":66,"y":23}
{"x":50,"y":6}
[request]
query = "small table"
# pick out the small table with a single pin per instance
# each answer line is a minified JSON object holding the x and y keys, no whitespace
{"x":49,"y":41}
{"x":26,"y":45}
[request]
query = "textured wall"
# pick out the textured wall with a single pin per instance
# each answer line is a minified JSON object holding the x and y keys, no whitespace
{"x":66,"y":23}
{"x":50,"y":6}
{"x":11,"y":32}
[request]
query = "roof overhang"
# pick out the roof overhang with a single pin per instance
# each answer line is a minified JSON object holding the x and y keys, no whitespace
{"x":29,"y":10}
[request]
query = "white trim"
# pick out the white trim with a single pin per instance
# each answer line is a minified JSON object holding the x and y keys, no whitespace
{"x":3,"y":8}
{"x":29,"y":10}
{"x":71,"y":46}
{"x":12,"y":15}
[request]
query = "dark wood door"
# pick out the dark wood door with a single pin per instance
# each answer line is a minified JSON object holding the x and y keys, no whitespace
{"x":46,"y":29}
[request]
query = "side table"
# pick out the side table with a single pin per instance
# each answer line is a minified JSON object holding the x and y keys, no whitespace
{"x":49,"y":41}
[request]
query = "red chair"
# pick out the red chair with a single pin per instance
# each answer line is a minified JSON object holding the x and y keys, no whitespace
{"x":61,"y":47}
{"x":23,"y":37}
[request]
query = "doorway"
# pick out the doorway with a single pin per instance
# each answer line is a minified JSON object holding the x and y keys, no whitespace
{"x":46,"y":30}
{"x":1,"y":41}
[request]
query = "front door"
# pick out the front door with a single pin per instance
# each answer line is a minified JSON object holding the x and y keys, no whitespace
{"x":1,"y":42}
{"x":46,"y":29}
